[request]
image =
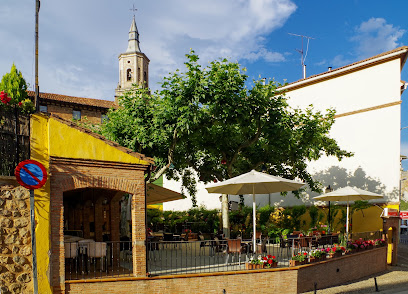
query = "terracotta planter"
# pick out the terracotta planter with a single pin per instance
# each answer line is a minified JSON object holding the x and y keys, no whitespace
{"x":274,"y":264}
{"x":335,"y":254}
{"x":250,"y":266}
{"x":317,"y":259}
{"x":296,"y":262}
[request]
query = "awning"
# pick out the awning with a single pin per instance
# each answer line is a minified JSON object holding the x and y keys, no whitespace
{"x":157,"y":194}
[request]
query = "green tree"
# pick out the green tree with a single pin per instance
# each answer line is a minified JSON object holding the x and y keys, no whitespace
{"x":209,"y":121}
{"x":14,"y":84}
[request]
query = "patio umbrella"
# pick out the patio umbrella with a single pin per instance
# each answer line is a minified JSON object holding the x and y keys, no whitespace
{"x":348,"y":194}
{"x":253,"y":183}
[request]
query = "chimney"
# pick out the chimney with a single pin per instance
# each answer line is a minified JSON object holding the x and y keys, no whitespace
{"x":329,"y":68}
{"x":304,"y":71}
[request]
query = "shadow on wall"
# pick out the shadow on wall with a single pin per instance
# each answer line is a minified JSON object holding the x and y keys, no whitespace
{"x":336,"y":177}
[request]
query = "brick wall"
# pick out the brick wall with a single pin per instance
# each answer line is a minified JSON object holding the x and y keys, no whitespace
{"x":342,"y":270}
{"x":15,"y":241}
{"x":65,"y":112}
{"x":284,"y":280}
{"x":71,"y":174}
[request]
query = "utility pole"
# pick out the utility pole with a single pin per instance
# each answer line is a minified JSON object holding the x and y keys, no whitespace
{"x":37,"y":89}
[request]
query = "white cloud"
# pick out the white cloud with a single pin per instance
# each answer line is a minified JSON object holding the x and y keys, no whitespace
{"x":89,"y":35}
{"x":339,"y":61}
{"x":376,"y":36}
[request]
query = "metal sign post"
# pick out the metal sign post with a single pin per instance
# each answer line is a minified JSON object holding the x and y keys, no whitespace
{"x":32,"y":175}
{"x":33,"y":242}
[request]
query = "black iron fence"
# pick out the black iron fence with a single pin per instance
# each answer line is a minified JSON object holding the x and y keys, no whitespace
{"x":86,"y":259}
{"x":14,"y":139}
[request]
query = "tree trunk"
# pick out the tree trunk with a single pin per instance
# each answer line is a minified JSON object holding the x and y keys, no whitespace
{"x":225,"y":219}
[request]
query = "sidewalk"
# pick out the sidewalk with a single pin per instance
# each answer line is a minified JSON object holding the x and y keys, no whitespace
{"x":393,"y":280}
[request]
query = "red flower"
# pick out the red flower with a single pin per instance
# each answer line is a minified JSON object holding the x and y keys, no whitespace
{"x":273,"y":257}
{"x":269,"y":256}
{"x":223,"y":161}
{"x":20,"y":103}
{"x":264,"y":258}
{"x":270,"y":261}
{"x":304,"y":253}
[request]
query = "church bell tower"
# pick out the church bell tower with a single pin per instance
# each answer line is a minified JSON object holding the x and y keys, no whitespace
{"x":133,"y":65}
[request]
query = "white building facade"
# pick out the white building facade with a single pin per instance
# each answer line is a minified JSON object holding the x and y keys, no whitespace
{"x":367,"y":98}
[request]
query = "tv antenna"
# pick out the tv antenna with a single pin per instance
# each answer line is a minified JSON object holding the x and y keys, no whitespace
{"x":302,"y":53}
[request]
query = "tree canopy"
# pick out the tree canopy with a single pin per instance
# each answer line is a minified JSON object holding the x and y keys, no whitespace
{"x":209,"y":121}
{"x":14,"y":86}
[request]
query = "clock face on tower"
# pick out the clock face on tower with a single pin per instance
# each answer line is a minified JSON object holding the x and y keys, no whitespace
{"x":132,"y":35}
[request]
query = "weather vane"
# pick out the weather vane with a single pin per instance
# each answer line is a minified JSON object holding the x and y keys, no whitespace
{"x":133,"y":9}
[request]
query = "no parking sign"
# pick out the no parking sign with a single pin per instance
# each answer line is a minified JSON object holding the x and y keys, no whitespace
{"x":31,"y":174}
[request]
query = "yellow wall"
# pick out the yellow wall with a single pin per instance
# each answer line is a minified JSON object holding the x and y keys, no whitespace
{"x":71,"y":143}
{"x":369,"y":222}
{"x":39,"y":151}
{"x":50,"y":137}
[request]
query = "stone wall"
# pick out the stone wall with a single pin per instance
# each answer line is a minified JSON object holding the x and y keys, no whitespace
{"x":15,"y":241}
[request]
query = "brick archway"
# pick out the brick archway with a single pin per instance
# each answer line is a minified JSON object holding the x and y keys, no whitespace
{"x":71,"y":174}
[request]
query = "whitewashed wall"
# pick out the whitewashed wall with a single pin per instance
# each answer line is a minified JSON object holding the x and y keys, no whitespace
{"x":373,"y":136}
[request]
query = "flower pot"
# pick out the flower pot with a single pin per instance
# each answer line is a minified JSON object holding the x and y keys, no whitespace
{"x":250,"y":266}
{"x":335,"y":254}
{"x":274,"y":264}
{"x":313,"y":259}
{"x":296,"y":262}
{"x":323,"y":257}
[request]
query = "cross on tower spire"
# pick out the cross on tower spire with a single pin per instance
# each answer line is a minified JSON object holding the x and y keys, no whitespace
{"x":133,"y":9}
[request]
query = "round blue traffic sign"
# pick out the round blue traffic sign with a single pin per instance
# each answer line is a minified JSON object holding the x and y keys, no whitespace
{"x":31,"y":174}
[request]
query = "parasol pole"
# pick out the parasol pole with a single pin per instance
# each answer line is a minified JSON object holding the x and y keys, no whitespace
{"x":347,"y":222}
{"x":254,"y":218}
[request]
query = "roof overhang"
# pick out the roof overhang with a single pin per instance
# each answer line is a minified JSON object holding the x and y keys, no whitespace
{"x":401,"y":53}
{"x":156,"y":194}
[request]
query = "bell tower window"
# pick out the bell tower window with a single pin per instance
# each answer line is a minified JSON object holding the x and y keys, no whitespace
{"x":128,"y":74}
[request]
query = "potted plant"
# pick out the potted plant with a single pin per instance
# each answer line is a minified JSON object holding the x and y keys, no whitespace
{"x":336,"y":251}
{"x":379,"y":242}
{"x":270,"y":261}
{"x":255,"y":263}
{"x":298,"y":259}
{"x":317,"y":255}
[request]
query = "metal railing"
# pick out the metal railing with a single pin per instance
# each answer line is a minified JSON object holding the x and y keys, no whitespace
{"x":88,"y":260}
{"x":14,"y":140}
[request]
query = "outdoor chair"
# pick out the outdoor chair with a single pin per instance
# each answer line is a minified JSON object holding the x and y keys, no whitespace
{"x":71,"y":249}
{"x":234,"y":247}
{"x":205,"y":243}
{"x":261,"y":247}
{"x":334,"y":238}
{"x":220,"y":245}
{"x":97,"y":250}
{"x":153,"y":246}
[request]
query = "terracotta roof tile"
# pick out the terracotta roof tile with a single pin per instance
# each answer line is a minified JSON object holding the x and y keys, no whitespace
{"x":402,"y":49}
{"x":75,"y":100}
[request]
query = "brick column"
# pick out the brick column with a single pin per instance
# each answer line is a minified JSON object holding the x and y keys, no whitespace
{"x":115,"y":226}
{"x":57,"y":267}
{"x":392,"y":222}
{"x":99,"y":219}
{"x":87,"y":214}
{"x":139,"y":231}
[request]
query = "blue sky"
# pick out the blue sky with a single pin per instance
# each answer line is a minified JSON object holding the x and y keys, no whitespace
{"x":80,"y":40}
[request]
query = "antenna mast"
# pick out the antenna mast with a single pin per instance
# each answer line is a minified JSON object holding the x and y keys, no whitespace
{"x":302,"y":53}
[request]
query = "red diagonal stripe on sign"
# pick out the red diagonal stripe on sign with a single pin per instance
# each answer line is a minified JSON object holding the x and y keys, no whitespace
{"x":31,"y":174}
